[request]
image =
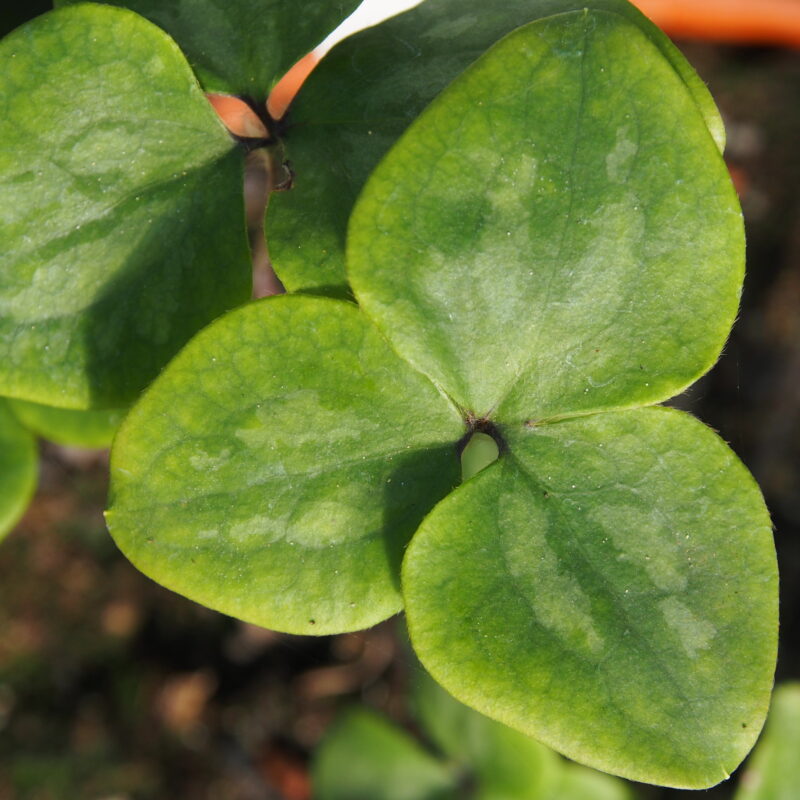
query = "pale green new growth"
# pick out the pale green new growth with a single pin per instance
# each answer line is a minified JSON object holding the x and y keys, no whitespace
{"x":480,"y":451}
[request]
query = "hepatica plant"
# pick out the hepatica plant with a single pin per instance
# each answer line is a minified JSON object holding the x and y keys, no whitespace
{"x":529,"y":207}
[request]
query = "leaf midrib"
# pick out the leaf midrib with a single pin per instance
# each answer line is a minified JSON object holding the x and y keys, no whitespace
{"x":264,"y":481}
{"x":545,"y":298}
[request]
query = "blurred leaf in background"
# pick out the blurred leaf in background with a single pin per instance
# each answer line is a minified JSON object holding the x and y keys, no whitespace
{"x":773,"y":771}
{"x":366,"y":757}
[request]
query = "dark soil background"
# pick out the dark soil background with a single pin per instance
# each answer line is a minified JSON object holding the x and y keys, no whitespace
{"x":112,"y":687}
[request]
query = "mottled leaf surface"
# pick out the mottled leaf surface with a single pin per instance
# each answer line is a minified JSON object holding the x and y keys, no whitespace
{"x":609,"y":587}
{"x":369,"y":88}
{"x":542,"y":216}
{"x":241,"y":46}
{"x":278,"y":466}
{"x":18,"y":458}
{"x":773,"y":772}
{"x":68,"y":427}
{"x":556,"y":236}
{"x":365,"y":757}
{"x":121,"y":210}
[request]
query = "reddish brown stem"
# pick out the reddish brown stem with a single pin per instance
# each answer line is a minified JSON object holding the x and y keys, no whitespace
{"x":289,"y":85}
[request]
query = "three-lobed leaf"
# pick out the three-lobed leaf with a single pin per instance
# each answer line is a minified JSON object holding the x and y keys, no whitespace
{"x":121,"y":210}
{"x":241,"y":47}
{"x":544,"y":267}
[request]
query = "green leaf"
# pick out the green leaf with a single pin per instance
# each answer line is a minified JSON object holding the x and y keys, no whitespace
{"x":773,"y":773}
{"x":369,"y":88}
{"x":278,"y":466}
{"x":241,"y":47}
{"x":364,"y":757}
{"x":545,"y":242}
{"x":504,"y":762}
{"x":18,"y":458}
{"x":580,"y":783}
{"x":568,"y":164}
{"x":609,"y":587}
{"x":121,"y":210}
{"x":67,"y":427}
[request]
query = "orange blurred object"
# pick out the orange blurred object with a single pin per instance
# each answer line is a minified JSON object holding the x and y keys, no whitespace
{"x":740,"y":178}
{"x":238,"y":117}
{"x":289,"y":85}
{"x":774,"y":22}
{"x":287,"y":774}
